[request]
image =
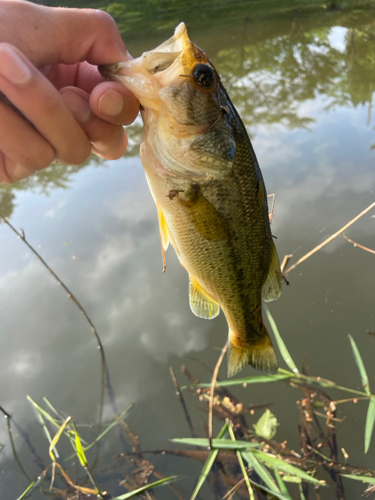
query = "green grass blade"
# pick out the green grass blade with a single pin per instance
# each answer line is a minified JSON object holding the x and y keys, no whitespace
{"x":361,"y":366}
{"x":220,"y":444}
{"x":302,"y":496}
{"x":51,"y":407}
{"x":273,"y":494}
{"x":46,"y":415}
{"x":370,"y":421}
{"x":46,"y":432}
{"x":259,"y":379}
{"x":280,"y":343}
{"x":208,"y":464}
{"x":26,"y":491}
{"x":79,"y":449}
{"x":278,"y":464}
{"x":156,"y":484}
{"x":282,"y":486}
{"x":57,"y":437}
{"x":364,"y":479}
{"x":262,"y":472}
{"x":242,"y":465}
{"x":107,"y":429}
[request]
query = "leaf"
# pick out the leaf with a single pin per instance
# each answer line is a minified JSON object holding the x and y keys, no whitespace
{"x":266,"y":425}
{"x":107,"y":429}
{"x":259,"y":379}
{"x":364,"y":479}
{"x":260,"y":470}
{"x":53,"y":421}
{"x":220,"y":444}
{"x":281,"y":484}
{"x":280,"y":343}
{"x":26,"y":491}
{"x":361,"y":366}
{"x":302,"y":496}
{"x":57,"y":437}
{"x":370,"y":421}
{"x":242,"y":465}
{"x":79,"y":450}
{"x":278,"y":464}
{"x":156,"y":484}
{"x":208,"y":464}
{"x":273,"y":494}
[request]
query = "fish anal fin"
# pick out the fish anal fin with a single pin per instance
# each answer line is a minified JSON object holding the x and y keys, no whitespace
{"x":259,"y":354}
{"x":200,"y":303}
{"x":271,"y":289}
{"x":203,"y":215}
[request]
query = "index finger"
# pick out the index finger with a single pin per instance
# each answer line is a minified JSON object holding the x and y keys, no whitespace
{"x":52,"y":35}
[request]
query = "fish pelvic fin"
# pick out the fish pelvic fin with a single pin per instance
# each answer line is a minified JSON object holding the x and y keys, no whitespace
{"x":200,"y":303}
{"x":259,"y":354}
{"x":271,"y":289}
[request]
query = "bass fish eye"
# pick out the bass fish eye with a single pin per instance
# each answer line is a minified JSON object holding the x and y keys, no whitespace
{"x":203,"y":75}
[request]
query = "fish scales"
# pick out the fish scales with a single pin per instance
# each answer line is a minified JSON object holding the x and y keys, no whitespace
{"x":211,"y":199}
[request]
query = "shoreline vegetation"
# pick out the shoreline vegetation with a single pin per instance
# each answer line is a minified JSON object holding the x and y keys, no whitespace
{"x":239,"y":461}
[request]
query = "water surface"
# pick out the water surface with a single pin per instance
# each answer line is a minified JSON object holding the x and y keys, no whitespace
{"x":302,"y":79}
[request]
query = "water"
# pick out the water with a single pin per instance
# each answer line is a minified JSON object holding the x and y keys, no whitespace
{"x":302,"y":78}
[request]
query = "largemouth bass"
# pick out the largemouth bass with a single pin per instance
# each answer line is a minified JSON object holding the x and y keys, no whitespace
{"x":209,"y":191}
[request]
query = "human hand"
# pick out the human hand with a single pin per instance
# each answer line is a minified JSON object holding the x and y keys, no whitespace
{"x":48,"y":71}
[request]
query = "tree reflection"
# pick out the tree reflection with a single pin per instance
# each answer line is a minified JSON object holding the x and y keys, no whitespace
{"x":272,"y":60}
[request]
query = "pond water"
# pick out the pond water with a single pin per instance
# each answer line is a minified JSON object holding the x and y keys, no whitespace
{"x":302,"y":77}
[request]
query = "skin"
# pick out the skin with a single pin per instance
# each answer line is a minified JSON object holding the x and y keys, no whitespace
{"x":48,"y":71}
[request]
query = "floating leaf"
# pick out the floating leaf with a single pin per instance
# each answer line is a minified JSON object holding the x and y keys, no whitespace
{"x":221,"y":444}
{"x":266,"y":425}
{"x":208,"y":464}
{"x":370,"y":421}
{"x":280,"y":343}
{"x":156,"y":484}
{"x":361,"y":366}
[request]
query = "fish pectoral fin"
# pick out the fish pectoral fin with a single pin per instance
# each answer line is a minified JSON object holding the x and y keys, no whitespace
{"x":260,"y":354}
{"x":200,"y":303}
{"x":204,"y":216}
{"x":271,"y":289}
{"x":164,"y":236}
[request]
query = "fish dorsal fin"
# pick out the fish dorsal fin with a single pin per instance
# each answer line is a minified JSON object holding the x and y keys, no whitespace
{"x":164,"y":236}
{"x":204,"y":216}
{"x":271,"y":289}
{"x":200,"y":303}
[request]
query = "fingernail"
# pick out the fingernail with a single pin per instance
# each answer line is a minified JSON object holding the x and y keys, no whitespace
{"x":12,"y":67}
{"x":111,"y":103}
{"x":78,"y":106}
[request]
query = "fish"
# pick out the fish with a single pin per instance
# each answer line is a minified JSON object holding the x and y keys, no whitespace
{"x":209,"y":191}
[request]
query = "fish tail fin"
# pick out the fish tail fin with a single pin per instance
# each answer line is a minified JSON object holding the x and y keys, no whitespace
{"x":259,"y":354}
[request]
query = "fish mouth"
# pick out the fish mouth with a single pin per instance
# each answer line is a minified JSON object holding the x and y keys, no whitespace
{"x":171,"y":61}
